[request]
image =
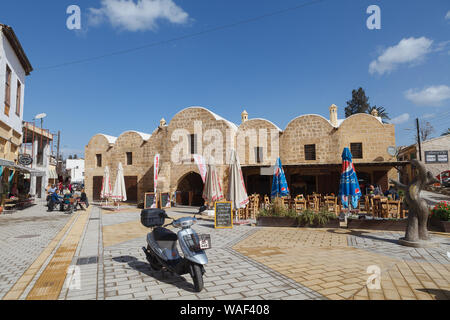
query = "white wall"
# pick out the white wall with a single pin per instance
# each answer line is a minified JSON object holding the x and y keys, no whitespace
{"x":77,"y":169}
{"x":8,"y":56}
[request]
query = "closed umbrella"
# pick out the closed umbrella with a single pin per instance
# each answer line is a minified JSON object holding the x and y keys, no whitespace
{"x":237,"y":192}
{"x":119,"y":192}
{"x":279,"y":184}
{"x":212,"y":190}
{"x":349,"y":186}
{"x":106,"y":185}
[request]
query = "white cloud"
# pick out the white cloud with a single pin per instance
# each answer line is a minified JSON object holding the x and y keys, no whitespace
{"x":410,"y":51}
{"x":400,"y":119}
{"x":137,"y":16}
{"x":447,"y":16}
{"x":431,"y":96}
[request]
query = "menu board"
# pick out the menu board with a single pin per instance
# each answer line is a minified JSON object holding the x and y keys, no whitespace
{"x":149,"y":199}
{"x":223,"y":215}
{"x":165,"y":200}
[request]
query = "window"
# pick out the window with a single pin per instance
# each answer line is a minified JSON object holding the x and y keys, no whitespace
{"x":259,"y":154}
{"x":99,"y":160}
{"x":7,"y":90}
{"x":356,"y":150}
{"x":193,"y":143}
{"x":129,"y":158}
{"x":18,"y":96}
{"x":310,"y":152}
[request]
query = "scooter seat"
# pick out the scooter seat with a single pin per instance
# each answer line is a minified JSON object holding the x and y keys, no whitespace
{"x":163,"y":234}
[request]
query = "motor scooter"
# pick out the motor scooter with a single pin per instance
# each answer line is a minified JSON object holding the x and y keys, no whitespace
{"x":162,"y":253}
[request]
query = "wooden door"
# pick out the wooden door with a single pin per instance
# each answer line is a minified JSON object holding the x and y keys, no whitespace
{"x":96,"y":187}
{"x":131,"y":187}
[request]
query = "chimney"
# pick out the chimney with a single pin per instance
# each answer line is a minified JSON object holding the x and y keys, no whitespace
{"x":333,"y":115}
{"x":244,"y":116}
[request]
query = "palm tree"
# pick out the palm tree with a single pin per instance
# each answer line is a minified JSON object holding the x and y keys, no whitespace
{"x":381,"y":112}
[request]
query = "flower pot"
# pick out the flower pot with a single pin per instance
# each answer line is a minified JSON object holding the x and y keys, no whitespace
{"x":445,"y":226}
{"x":390,"y":225}
{"x":276,"y":222}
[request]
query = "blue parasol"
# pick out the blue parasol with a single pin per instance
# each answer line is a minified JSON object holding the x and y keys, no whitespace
{"x":349,"y":185}
{"x":279,"y":184}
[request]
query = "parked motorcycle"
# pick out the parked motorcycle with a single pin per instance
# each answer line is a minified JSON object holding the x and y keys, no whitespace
{"x":162,"y":252}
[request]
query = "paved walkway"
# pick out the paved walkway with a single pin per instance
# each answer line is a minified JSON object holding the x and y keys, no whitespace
{"x":96,"y":254}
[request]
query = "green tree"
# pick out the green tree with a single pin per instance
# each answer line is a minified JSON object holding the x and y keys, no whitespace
{"x":358,"y":104}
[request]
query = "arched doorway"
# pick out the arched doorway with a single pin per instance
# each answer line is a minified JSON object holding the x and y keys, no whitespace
{"x":190,"y":190}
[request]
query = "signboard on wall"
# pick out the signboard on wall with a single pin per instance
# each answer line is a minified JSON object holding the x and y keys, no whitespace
{"x":25,"y":159}
{"x":436,"y":156}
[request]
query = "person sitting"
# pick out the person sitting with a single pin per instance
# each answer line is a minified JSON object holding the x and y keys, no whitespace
{"x":374,"y":191}
{"x":83,"y":199}
{"x":55,"y":198}
{"x":392,"y":192}
{"x":66,"y":201}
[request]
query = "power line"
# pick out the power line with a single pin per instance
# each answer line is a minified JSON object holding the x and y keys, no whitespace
{"x":187,"y":36}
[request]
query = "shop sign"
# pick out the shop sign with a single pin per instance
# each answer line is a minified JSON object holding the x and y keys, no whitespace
{"x":25,"y":159}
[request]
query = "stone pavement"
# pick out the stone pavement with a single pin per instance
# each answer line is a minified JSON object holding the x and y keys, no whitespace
{"x":23,"y":236}
{"x":100,"y":252}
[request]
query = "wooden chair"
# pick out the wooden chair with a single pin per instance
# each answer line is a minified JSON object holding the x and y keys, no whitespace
{"x":384,"y":207}
{"x":312,"y":202}
{"x":375,"y":204}
{"x":394,"y":207}
{"x":266,"y":201}
{"x":330,"y":204}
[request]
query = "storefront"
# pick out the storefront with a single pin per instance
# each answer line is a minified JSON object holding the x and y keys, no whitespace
{"x":15,"y":184}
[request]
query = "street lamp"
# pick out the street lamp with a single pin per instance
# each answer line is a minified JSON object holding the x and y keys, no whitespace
{"x":40,"y":116}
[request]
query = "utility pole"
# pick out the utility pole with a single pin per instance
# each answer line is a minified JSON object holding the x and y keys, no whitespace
{"x":57,"y":153}
{"x":418,"y":139}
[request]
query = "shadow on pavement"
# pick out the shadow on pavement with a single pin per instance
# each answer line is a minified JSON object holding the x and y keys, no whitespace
{"x":361,"y":234}
{"x":166,"y":276}
{"x":439,"y":294}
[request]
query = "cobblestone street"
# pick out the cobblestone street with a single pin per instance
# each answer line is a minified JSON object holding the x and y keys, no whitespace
{"x":104,"y":249}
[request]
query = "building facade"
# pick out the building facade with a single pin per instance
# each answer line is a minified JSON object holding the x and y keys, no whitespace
{"x":310,"y":148}
{"x":434,"y":154}
{"x":76,"y":167}
{"x":14,"y":67}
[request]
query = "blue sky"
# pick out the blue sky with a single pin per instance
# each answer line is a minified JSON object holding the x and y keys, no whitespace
{"x":279,"y":67}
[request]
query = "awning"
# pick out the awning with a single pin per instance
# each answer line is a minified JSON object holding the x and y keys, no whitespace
{"x":52,"y":173}
{"x":12,"y":165}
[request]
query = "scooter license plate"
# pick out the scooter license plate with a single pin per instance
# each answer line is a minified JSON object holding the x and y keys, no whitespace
{"x":205,"y":242}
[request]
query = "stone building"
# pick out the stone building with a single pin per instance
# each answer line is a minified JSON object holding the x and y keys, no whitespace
{"x":310,"y":148}
{"x":434,"y":154}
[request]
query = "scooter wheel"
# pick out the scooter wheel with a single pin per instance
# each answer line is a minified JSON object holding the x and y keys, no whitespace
{"x":197,"y":277}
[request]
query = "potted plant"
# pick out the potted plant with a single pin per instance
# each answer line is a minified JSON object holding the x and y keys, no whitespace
{"x":309,"y":218}
{"x":277,"y":215}
{"x":440,"y":216}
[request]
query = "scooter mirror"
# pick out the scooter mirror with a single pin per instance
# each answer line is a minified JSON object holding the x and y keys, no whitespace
{"x":202,"y":208}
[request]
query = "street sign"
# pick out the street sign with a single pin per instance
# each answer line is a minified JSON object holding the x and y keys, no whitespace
{"x":436,"y":156}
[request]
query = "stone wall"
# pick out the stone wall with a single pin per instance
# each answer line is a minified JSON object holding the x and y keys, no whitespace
{"x":172,"y":143}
